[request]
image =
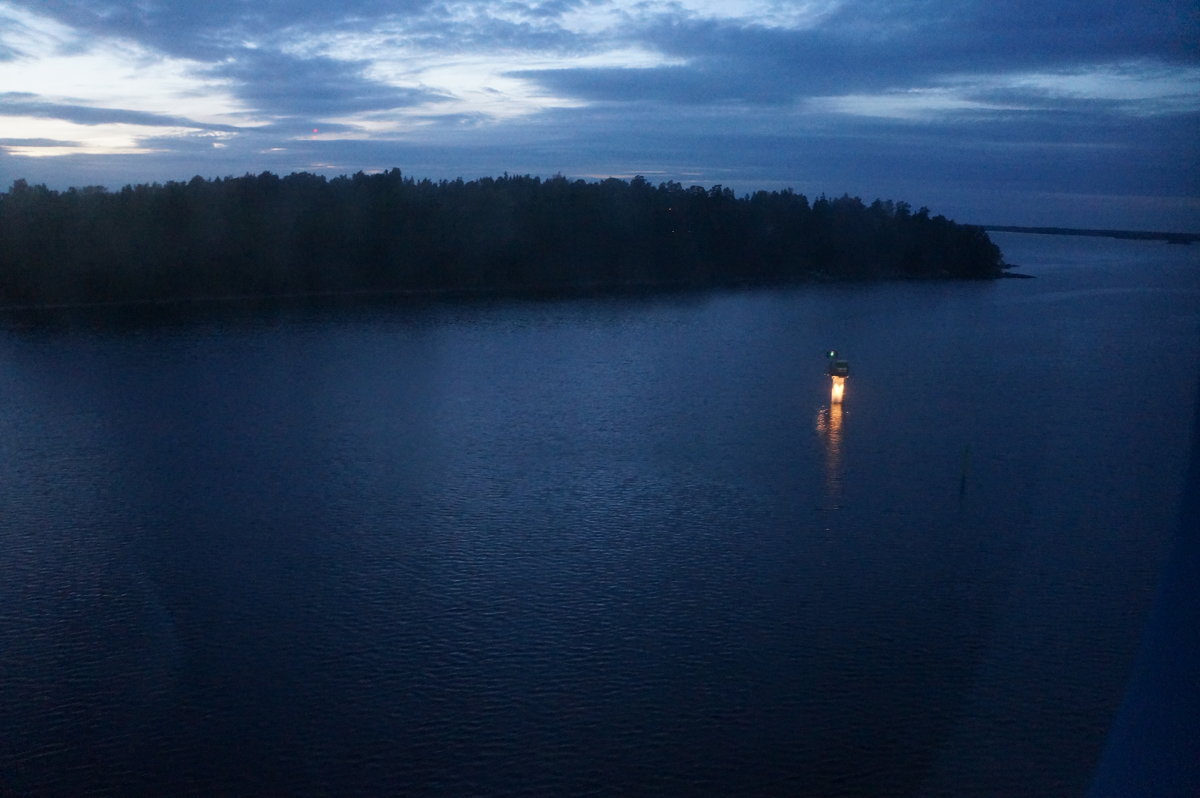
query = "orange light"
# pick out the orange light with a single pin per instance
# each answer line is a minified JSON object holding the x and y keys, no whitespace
{"x":839,"y":390}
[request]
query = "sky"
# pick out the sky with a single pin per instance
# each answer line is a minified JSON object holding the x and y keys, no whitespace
{"x":1080,"y":113}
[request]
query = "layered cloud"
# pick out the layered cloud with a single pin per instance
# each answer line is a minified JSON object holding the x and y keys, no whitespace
{"x":746,"y":93}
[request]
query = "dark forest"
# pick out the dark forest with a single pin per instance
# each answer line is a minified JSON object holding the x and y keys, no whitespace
{"x":304,"y":234}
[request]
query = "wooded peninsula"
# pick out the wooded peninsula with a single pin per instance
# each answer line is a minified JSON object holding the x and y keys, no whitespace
{"x":263,"y":235}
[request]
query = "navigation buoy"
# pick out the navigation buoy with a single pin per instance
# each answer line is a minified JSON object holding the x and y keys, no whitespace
{"x":838,"y":371}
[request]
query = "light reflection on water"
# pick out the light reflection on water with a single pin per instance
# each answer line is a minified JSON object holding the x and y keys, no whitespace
{"x":829,"y":426}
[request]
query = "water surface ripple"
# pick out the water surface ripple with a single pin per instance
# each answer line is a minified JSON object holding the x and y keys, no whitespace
{"x":597,"y":546}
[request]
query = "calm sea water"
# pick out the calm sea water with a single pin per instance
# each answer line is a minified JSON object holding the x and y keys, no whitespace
{"x":595,"y":546}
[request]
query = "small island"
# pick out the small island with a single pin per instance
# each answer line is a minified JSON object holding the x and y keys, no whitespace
{"x":303,"y":234}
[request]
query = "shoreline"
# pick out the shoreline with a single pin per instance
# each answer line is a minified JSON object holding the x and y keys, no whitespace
{"x":544,"y":292}
{"x":1135,"y":235}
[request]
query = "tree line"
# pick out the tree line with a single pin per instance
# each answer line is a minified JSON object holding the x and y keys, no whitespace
{"x":263,"y":235}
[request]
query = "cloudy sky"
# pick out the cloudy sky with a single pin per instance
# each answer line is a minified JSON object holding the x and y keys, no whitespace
{"x":1058,"y":112}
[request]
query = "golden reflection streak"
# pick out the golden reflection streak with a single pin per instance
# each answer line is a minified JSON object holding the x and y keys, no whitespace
{"x":829,"y":426}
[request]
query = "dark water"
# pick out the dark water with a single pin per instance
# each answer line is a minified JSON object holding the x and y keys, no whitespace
{"x":603,"y":546}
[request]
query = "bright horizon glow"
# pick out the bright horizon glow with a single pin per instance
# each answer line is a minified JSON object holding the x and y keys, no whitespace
{"x":74,"y":139}
{"x":63,"y":65}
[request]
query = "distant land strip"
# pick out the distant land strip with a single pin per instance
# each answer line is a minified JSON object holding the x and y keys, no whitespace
{"x":388,"y":234}
{"x":1139,"y":235}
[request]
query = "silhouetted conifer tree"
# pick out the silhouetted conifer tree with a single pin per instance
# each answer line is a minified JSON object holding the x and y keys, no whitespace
{"x":266,"y":235}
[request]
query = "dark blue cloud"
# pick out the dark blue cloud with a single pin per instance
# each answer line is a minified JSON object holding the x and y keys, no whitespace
{"x":207,"y":29}
{"x":876,"y":45}
{"x":1074,"y":30}
{"x":310,"y":88}
{"x":1028,"y":32}
{"x":869,"y":45}
{"x":26,"y":104}
{"x":668,"y":85}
